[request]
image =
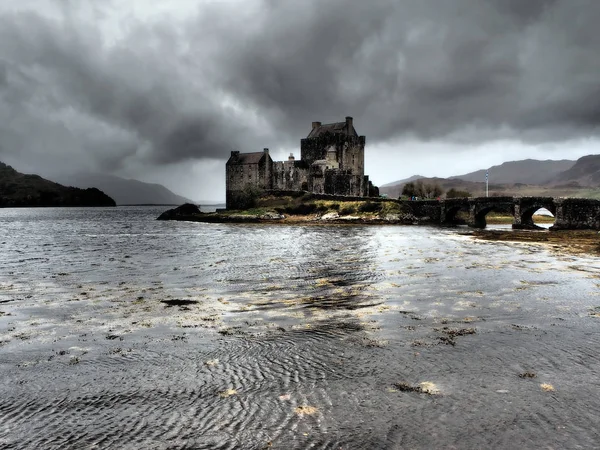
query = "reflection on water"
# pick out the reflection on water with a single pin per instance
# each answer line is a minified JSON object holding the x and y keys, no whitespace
{"x":119,"y":331}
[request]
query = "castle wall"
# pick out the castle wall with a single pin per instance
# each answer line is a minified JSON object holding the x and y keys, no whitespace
{"x":239,"y":175}
{"x":350,"y":151}
{"x":342,"y":183}
{"x":315,"y":149}
{"x":331,"y":162}
{"x":353,"y":156}
{"x":290,"y":176}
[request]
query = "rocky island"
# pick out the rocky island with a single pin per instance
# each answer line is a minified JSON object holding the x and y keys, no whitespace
{"x":304,"y":208}
{"x":21,"y":190}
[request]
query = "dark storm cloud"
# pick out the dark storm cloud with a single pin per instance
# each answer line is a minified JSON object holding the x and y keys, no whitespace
{"x":248,"y":75}
{"x":429,"y":68}
{"x":131,"y":90}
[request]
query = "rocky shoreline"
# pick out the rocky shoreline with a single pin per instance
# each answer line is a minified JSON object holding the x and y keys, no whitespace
{"x":192,"y":213}
{"x":572,"y":242}
{"x":575,"y":242}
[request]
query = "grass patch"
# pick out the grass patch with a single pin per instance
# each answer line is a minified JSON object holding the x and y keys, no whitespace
{"x":507,"y":219}
{"x":306,"y":205}
{"x":369,"y":207}
{"x":347,"y":210}
{"x":392,"y":208}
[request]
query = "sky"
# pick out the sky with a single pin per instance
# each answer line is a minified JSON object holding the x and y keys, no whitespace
{"x":164,"y":91}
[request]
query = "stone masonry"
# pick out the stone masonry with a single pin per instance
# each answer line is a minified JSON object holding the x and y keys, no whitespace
{"x":332,"y":161}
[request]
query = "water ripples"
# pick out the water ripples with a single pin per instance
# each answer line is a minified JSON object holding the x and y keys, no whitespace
{"x":288,"y":337}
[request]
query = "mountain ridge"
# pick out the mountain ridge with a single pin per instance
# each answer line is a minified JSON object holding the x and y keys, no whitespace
{"x":18,"y":189}
{"x":585,"y":172}
{"x":529,"y":177}
{"x":126,"y":191}
{"x":530,"y":171}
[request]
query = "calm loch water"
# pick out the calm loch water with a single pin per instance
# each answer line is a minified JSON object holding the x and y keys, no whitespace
{"x":119,"y":331}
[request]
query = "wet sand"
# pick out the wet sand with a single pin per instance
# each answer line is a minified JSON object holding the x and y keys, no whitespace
{"x":573,"y":241}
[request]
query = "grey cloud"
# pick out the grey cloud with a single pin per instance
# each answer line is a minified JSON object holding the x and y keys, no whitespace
{"x":243,"y":78}
{"x":524,"y":11}
{"x":125,"y":89}
{"x":426,"y":68}
{"x":3,"y":76}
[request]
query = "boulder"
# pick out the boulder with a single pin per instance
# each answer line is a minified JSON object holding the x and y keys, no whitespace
{"x":183,"y":212}
{"x":272,"y":216}
{"x":330,"y":216}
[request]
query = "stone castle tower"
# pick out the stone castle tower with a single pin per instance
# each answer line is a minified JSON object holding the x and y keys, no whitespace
{"x":335,"y":154}
{"x":332,"y":161}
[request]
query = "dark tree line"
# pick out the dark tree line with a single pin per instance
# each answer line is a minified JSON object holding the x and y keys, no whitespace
{"x":455,"y":193}
{"x":422,"y":190}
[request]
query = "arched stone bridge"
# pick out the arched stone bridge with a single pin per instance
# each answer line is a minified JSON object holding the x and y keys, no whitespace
{"x":569,"y":213}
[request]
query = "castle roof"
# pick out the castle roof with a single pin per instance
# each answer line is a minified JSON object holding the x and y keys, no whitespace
{"x":246,"y":158}
{"x":333,"y":128}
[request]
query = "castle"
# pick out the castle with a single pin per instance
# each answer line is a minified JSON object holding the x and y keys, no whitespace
{"x":332,"y":161}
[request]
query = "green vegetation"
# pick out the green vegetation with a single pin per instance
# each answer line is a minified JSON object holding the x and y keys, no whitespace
{"x":500,"y":218}
{"x":455,"y":193}
{"x":248,"y":197}
{"x":422,"y":190}
{"x":306,"y":204}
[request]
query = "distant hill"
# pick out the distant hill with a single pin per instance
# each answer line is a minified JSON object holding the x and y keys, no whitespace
{"x":402,"y":182}
{"x":529,"y":171}
{"x":393,"y":190}
{"x":585,"y":172}
{"x":529,"y":177}
{"x":18,"y":189}
{"x":124,"y":191}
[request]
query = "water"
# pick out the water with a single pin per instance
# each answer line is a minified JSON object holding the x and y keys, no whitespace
{"x":119,"y":331}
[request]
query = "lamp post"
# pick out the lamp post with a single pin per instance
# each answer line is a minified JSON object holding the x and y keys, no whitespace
{"x":487,"y":190}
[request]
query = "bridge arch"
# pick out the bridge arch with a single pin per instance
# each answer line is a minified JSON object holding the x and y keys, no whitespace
{"x":451,"y":212}
{"x":480,"y":213}
{"x":526,"y":207}
{"x":481,"y":207}
{"x":451,"y":207}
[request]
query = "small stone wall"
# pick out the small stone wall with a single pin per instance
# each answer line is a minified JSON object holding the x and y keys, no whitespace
{"x":427,"y":211}
{"x":339,"y":198}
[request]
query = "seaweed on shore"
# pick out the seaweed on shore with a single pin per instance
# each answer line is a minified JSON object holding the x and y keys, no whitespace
{"x":452,"y":333}
{"x":425,"y":387}
{"x":178,"y":302}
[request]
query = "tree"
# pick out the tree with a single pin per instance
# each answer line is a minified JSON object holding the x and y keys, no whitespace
{"x":409,"y":189}
{"x":437,"y":191}
{"x":247,"y":198}
{"x":422,"y":190}
{"x":455,"y":193}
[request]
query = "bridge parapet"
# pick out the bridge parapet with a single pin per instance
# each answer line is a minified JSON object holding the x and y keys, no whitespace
{"x":570,"y":213}
{"x":577,"y":214}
